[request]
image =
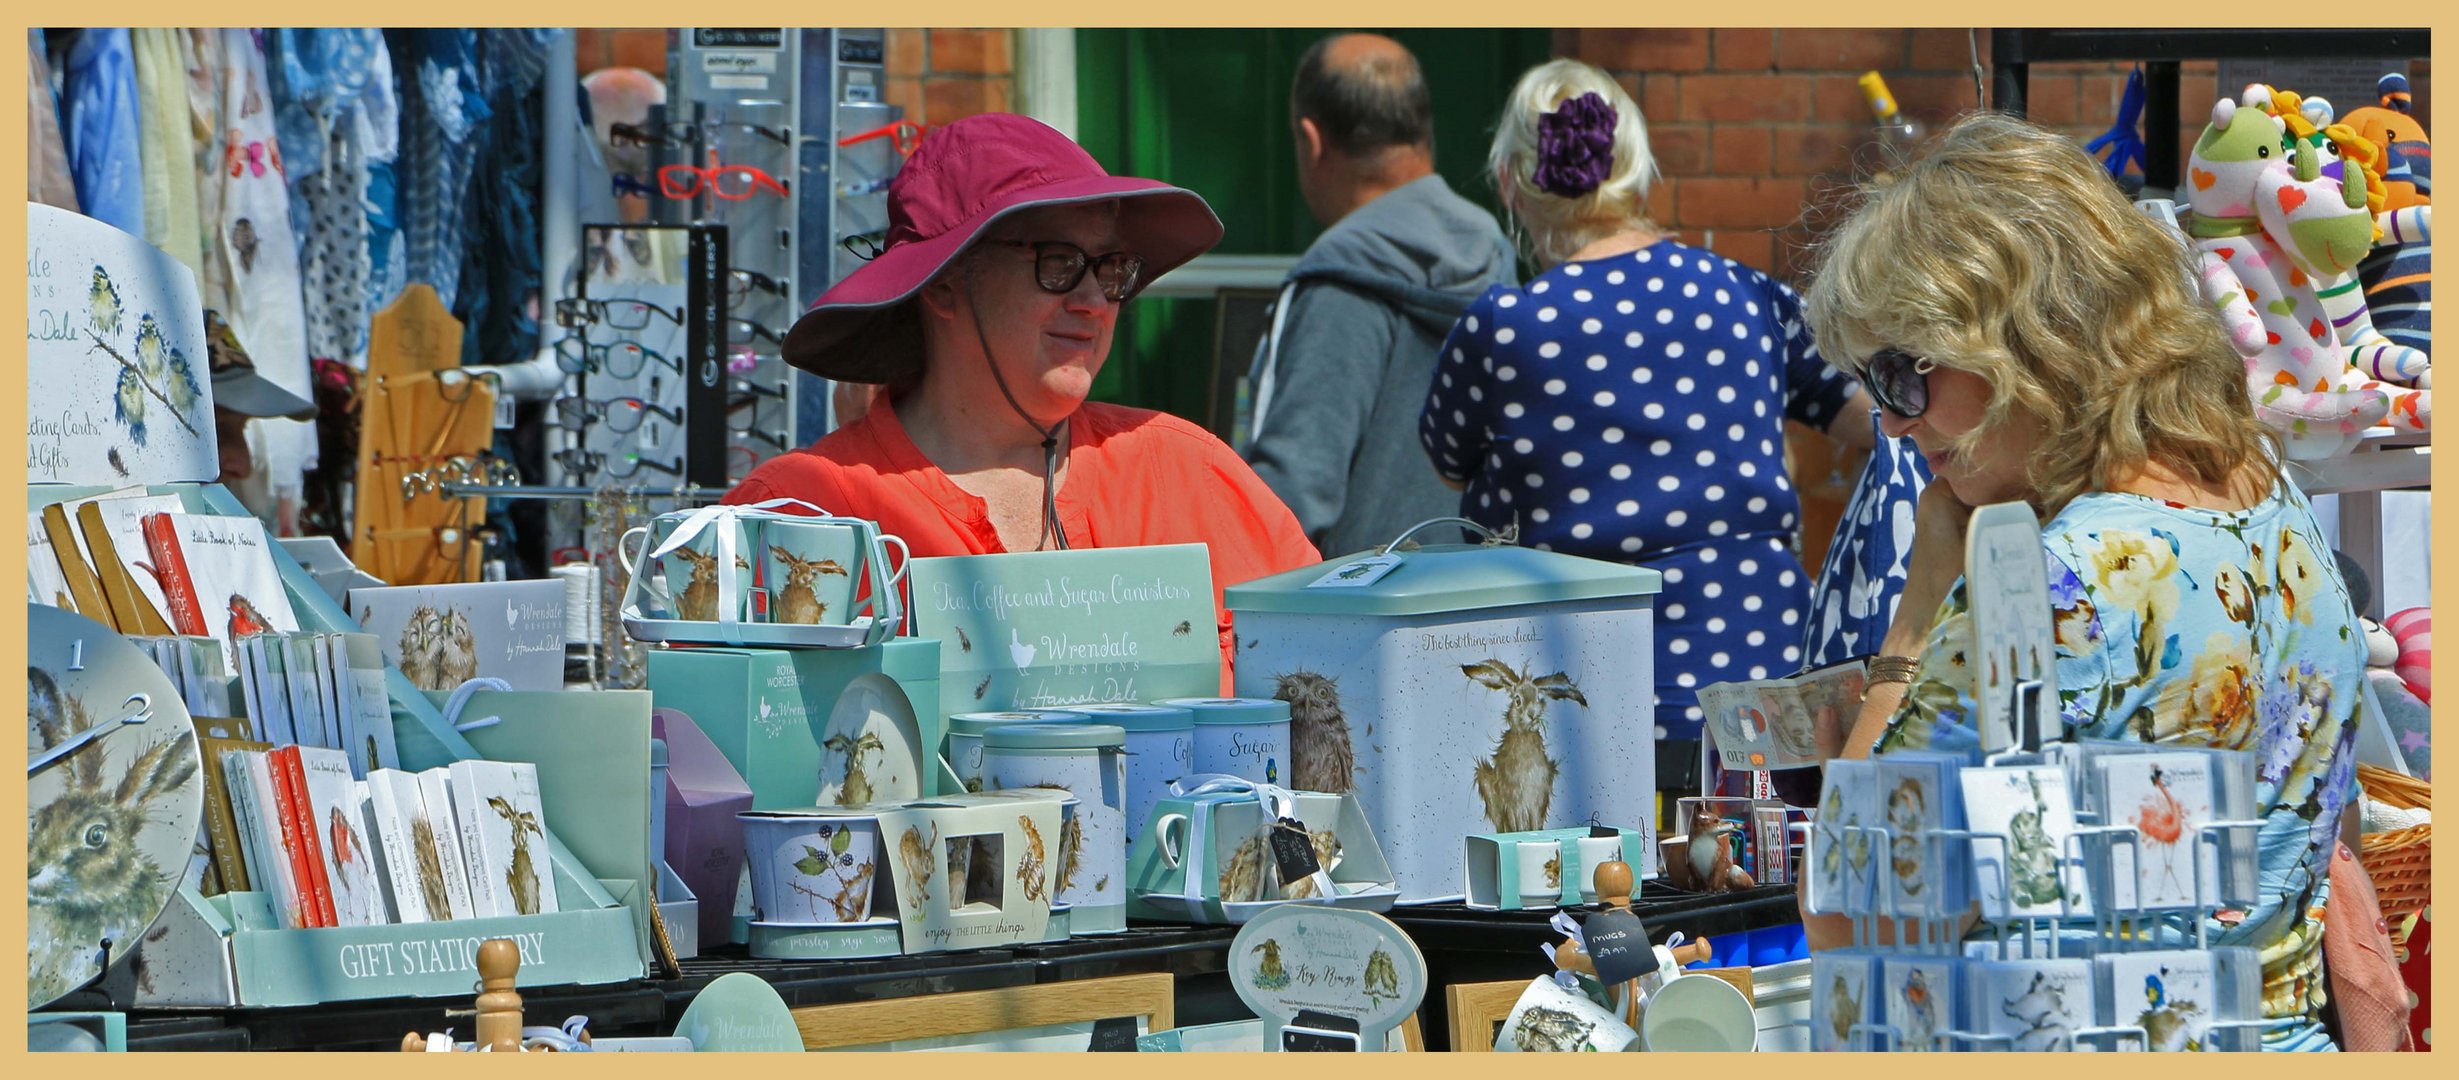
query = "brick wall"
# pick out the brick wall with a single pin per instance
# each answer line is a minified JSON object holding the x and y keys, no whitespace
{"x":949,"y":74}
{"x":937,"y":75}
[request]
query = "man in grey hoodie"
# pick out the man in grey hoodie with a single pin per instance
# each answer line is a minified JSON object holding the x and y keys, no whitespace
{"x":1341,"y":374}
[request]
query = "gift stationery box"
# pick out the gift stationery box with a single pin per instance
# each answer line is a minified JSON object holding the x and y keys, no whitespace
{"x":1461,"y":689}
{"x":1546,"y":868}
{"x":590,"y":754}
{"x":766,"y":709}
{"x":1204,"y":858}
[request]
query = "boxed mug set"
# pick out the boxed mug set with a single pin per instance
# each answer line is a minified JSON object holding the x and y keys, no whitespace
{"x":762,"y":575}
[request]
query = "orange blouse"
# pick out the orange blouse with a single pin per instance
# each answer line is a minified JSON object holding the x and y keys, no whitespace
{"x":1134,"y":477}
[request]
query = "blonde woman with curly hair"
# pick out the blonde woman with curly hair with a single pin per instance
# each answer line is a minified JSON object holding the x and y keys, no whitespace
{"x":2041,"y":341}
{"x":1629,"y":403}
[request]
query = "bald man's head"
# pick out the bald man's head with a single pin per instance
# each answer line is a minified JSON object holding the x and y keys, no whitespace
{"x":1365,"y":93}
{"x":622,"y":95}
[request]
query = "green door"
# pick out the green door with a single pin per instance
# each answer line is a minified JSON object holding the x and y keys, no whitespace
{"x":1209,"y":110}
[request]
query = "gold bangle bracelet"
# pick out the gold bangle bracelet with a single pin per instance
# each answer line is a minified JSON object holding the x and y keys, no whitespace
{"x":1882,"y":669}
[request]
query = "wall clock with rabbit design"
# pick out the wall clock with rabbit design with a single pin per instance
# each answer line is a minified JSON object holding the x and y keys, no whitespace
{"x":114,"y":797}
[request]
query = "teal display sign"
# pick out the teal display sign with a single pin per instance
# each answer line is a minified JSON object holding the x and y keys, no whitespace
{"x":1049,"y":629}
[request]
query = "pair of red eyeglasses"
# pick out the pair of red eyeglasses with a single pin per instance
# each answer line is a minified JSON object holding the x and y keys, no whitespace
{"x":733,"y":182}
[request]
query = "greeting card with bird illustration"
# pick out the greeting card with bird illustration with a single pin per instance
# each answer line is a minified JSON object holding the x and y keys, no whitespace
{"x":116,"y":385}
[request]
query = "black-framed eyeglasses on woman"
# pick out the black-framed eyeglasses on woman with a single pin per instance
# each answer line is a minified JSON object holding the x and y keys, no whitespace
{"x":1900,"y":382}
{"x":573,"y":311}
{"x":1058,"y":266}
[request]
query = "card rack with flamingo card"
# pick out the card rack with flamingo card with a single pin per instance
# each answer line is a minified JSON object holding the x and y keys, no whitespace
{"x":2166,"y":798}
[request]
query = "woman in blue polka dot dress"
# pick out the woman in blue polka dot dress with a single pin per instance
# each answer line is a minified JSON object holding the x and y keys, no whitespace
{"x":1629,"y":402}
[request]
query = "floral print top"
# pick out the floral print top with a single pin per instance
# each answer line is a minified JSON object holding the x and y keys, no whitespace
{"x":2177,"y":624}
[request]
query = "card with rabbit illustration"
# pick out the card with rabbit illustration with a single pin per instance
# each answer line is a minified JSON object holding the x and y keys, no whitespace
{"x":443,"y":635}
{"x":503,"y":830}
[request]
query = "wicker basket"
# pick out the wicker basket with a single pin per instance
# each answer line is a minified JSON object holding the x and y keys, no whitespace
{"x":2400,"y":861}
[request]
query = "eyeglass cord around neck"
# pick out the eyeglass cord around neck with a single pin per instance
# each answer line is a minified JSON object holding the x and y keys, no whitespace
{"x":1052,"y":532}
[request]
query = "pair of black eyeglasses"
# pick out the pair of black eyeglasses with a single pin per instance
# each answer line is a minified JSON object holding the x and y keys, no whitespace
{"x":573,"y":312}
{"x":680,"y":132}
{"x":1899,"y":382}
{"x":1058,"y":266}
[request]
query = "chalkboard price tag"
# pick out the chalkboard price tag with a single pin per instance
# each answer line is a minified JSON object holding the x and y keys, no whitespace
{"x":1618,"y":945}
{"x":1293,"y":850}
{"x":1115,"y":1034}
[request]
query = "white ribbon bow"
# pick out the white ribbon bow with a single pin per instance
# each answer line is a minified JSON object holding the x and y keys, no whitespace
{"x":1277,"y":802}
{"x":725,"y":518}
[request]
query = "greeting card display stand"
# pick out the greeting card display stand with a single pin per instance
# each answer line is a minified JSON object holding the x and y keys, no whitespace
{"x":2092,"y":849}
{"x":228,"y":950}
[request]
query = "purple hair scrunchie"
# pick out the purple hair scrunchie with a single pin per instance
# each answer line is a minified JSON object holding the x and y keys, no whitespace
{"x":1575,"y":146}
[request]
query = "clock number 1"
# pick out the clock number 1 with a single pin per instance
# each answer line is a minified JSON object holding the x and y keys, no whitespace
{"x":76,"y":655}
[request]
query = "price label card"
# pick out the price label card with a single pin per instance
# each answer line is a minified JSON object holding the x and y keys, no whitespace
{"x":1293,"y":851}
{"x":1114,"y":1035}
{"x":1618,"y":944}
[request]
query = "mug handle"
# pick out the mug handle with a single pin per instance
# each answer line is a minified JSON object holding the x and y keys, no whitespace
{"x":904,"y":560}
{"x":623,"y":549}
{"x":1169,"y":847}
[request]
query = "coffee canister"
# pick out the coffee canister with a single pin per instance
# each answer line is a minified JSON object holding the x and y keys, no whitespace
{"x":1244,"y":737}
{"x":965,"y":732}
{"x":1160,"y":748}
{"x":1087,"y":761}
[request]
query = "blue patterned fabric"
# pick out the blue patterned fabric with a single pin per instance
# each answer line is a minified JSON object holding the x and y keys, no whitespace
{"x":442,"y":109}
{"x":1632,"y":408}
{"x":1854,"y":598}
{"x":99,"y":123}
{"x":502,"y":265}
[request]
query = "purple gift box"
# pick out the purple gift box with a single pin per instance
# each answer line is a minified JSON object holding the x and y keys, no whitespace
{"x":704,"y":842}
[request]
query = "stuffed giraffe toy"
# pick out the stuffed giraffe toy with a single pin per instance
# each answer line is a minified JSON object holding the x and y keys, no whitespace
{"x":2296,"y":371}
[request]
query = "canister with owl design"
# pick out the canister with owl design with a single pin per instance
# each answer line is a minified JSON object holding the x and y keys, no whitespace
{"x":1246,"y":737}
{"x":1460,"y":689}
{"x":1160,"y":748}
{"x":965,"y":731}
{"x":1087,"y":761}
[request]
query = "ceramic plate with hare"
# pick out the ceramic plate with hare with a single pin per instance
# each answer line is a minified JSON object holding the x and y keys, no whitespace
{"x":114,"y":796}
{"x":871,"y":747}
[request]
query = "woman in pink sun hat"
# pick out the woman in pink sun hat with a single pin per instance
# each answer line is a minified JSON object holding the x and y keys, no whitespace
{"x":985,"y":319}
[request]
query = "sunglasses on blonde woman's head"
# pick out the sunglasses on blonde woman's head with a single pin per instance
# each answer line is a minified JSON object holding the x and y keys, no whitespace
{"x":1899,"y":382}
{"x":1059,"y":266}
